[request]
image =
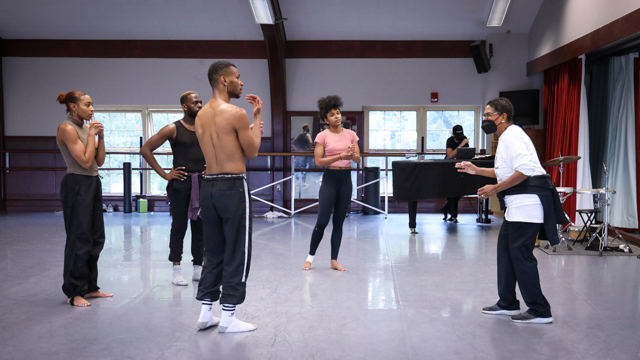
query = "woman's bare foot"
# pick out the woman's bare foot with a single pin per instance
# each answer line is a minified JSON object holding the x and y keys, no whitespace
{"x":306,"y":266}
{"x":98,"y":294}
{"x":78,"y":301}
{"x":336,"y":266}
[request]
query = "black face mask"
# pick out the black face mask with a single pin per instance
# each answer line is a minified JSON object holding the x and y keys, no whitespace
{"x":489,"y":126}
{"x":458,"y":137}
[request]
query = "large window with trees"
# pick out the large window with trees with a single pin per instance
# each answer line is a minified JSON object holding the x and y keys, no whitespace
{"x":126,"y":129}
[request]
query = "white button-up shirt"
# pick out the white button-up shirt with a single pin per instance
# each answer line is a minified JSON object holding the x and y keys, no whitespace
{"x":516,"y":153}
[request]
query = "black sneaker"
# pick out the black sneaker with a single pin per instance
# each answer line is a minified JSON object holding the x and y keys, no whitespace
{"x":496,"y":310}
{"x":444,"y":212}
{"x":527,"y":318}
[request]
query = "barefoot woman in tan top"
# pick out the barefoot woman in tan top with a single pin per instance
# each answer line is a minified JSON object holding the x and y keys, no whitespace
{"x":81,"y":196}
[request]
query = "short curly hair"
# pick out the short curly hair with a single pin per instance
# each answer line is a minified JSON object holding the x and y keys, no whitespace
{"x":503,"y":106}
{"x":218,"y":69}
{"x":328,"y":103}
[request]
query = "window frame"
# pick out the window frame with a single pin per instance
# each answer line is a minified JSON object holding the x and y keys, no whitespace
{"x":146,"y":115}
{"x":421,"y":125}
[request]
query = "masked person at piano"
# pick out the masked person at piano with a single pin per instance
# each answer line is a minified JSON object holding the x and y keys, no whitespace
{"x":335,"y":148}
{"x":532,"y":207}
{"x":456,"y":141}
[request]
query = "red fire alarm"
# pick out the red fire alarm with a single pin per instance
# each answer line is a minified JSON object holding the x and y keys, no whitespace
{"x":434,"y":97}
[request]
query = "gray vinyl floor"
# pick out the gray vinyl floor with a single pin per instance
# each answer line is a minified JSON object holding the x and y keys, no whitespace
{"x":403,"y":296}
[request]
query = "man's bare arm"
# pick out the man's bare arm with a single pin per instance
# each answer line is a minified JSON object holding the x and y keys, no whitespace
{"x":166,"y":133}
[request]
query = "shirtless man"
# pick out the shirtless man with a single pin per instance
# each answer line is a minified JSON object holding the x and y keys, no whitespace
{"x":226,"y":138}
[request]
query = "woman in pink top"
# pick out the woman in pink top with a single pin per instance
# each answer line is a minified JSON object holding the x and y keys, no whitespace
{"x":335,"y":148}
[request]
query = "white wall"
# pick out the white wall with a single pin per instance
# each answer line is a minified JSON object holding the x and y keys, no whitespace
{"x":362,"y":82}
{"x":32,"y":84}
{"x":561,"y":21}
{"x":508,"y":67}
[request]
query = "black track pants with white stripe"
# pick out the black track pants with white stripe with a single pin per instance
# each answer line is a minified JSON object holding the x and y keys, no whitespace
{"x":225,"y":209}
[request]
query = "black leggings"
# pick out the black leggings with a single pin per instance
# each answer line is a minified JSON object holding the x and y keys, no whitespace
{"x":335,"y":196}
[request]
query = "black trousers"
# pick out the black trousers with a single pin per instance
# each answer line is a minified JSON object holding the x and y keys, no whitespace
{"x":516,"y":264}
{"x":225,"y":209}
{"x":81,"y":197}
{"x":413,"y":212}
{"x":451,"y":206}
{"x":335,"y":196}
{"x":179,"y":193}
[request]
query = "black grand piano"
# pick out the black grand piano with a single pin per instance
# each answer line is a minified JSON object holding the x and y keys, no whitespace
{"x":417,"y":180}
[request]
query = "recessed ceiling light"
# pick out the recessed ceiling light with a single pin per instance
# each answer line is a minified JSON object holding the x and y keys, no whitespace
{"x":498,"y":12}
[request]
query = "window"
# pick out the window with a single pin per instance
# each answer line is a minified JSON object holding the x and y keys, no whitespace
{"x":122,"y":132}
{"x":404,"y":129}
{"x":160,"y":119}
{"x":125,"y":128}
{"x":441,"y":122}
{"x":395,"y":130}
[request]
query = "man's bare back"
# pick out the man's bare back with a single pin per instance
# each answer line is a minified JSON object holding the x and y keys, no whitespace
{"x":226,"y":136}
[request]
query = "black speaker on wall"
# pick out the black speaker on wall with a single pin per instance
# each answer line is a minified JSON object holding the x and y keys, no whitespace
{"x":480,"y":58}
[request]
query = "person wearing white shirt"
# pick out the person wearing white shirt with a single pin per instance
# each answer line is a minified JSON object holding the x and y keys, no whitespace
{"x":516,"y":162}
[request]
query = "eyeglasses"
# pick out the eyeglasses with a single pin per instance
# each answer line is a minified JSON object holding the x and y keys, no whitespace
{"x":486,"y":115}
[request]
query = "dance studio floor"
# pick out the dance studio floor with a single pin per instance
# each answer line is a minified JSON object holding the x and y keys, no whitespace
{"x":402,"y":297}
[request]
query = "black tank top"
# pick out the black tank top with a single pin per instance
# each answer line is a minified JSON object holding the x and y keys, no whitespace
{"x":186,"y":150}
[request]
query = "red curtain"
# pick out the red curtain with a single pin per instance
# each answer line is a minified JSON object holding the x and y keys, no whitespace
{"x":561,"y":102}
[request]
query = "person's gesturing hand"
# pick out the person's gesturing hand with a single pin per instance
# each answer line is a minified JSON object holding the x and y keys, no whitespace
{"x":257,"y":104}
{"x":261,"y":129}
{"x":467,"y":167}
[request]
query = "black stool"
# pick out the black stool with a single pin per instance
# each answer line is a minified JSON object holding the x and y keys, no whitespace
{"x":588,"y":217}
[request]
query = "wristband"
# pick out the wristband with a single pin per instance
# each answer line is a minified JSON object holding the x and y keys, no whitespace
{"x":340,"y":157}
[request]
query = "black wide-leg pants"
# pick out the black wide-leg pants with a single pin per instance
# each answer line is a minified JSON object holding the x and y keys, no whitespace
{"x":179,"y":193}
{"x":517,"y":264}
{"x":81,"y":197}
{"x":225,"y":209}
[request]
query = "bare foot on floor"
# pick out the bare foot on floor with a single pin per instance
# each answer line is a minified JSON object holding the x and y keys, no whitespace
{"x":336,"y":266}
{"x":98,"y":294}
{"x":78,"y":301}
{"x":306,"y":266}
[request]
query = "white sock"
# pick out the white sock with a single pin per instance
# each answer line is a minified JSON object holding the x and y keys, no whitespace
{"x":310,"y":258}
{"x":229,"y":323}
{"x":177,"y":276}
{"x":197,"y":272}
{"x":206,"y":319}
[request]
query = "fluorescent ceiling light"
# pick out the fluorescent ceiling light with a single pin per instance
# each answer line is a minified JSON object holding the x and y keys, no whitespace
{"x":261,"y":11}
{"x":498,"y":11}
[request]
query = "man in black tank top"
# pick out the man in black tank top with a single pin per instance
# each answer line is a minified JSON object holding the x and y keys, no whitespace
{"x":183,"y":186}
